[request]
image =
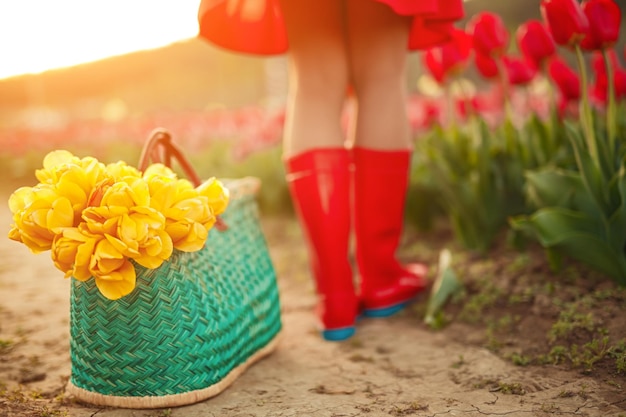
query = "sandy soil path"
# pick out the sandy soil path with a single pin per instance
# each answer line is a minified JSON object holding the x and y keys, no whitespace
{"x":393,"y":367}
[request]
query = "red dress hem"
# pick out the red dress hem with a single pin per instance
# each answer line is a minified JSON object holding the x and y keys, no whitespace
{"x":243,"y":26}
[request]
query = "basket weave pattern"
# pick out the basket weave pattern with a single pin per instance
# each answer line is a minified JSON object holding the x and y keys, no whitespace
{"x":188,"y":325}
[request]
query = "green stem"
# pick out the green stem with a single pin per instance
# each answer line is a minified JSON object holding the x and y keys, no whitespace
{"x":611,"y":121}
{"x":450,"y":110}
{"x":506,"y":88}
{"x":585,"y":109}
{"x":552,"y":109}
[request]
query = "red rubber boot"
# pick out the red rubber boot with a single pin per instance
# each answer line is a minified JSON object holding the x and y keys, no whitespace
{"x":380,"y":186}
{"x":319,"y":183}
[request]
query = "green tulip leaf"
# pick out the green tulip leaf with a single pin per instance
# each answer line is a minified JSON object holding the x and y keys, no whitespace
{"x":591,"y":174}
{"x":557,"y":187}
{"x":617,"y":222}
{"x":577,"y":236}
{"x":445,"y":286}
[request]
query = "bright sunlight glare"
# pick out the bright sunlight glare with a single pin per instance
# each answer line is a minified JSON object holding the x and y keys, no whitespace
{"x":37,"y":35}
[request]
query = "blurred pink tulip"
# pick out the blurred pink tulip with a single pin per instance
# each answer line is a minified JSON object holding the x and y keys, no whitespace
{"x":449,"y":59}
{"x":535,"y":42}
{"x":489,"y":34}
{"x":566,"y":20}
{"x":565,"y":78}
{"x":520,"y":70}
{"x":605,"y":19}
{"x":486,"y":65}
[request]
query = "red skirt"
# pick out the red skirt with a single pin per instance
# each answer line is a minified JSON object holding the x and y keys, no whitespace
{"x":256,"y":26}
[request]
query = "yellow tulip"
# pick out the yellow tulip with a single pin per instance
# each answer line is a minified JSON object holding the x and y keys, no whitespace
{"x":121,"y":171}
{"x":39,"y":214}
{"x":217,"y":194}
{"x":154,"y":250}
{"x":53,"y":164}
{"x":57,"y":163}
{"x":136,"y":232}
{"x":139,"y":223}
{"x":103,"y":220}
{"x":122,"y":194}
{"x":22,"y":197}
{"x":185,"y":210}
{"x":118,"y":282}
{"x":105,"y":259}
{"x":78,"y":186}
{"x":72,"y":177}
{"x":72,"y":252}
{"x":160,"y":171}
{"x":187,"y":236}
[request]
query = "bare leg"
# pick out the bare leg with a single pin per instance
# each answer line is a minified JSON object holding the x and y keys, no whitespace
{"x":378,"y":49}
{"x":318,"y":74}
{"x":317,"y":162}
{"x":378,"y":41}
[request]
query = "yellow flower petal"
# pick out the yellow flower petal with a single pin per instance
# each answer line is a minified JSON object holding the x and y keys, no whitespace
{"x":130,"y":251}
{"x":105,"y":250}
{"x":217,"y":194}
{"x":117,"y":283}
{"x":56,"y":158}
{"x":20,"y":198}
{"x":158,"y":170}
{"x":121,"y":171}
{"x":60,"y":216}
{"x":194,"y":240}
{"x":155,"y":250}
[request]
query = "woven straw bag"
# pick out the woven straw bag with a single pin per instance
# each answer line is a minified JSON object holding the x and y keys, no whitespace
{"x":191,"y":326}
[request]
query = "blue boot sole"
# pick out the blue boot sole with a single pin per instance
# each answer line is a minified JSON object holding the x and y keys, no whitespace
{"x":337,"y":335}
{"x":385,"y":311}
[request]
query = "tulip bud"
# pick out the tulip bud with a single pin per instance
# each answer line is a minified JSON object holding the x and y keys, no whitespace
{"x":486,"y":65}
{"x":604,"y":24}
{"x":565,"y":78}
{"x":520,"y":71}
{"x":489,"y":34}
{"x":535,"y":42}
{"x":450,"y":58}
{"x":566,"y":20}
{"x":599,"y":89}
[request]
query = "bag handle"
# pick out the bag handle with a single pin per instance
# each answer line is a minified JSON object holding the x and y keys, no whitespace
{"x":160,"y":148}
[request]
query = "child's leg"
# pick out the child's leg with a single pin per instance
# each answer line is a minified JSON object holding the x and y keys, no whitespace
{"x":382,"y":153}
{"x":317,"y":163}
{"x":318,"y":71}
{"x":378,"y":40}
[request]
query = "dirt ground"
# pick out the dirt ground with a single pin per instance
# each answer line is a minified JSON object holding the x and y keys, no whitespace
{"x":393,"y":367}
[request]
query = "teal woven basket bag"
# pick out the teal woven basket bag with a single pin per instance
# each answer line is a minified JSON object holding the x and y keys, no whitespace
{"x":189,"y":328}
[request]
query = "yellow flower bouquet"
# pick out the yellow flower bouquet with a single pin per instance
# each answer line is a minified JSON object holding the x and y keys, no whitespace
{"x":97,"y":220}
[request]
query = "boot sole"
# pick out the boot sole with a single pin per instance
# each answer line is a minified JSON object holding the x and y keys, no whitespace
{"x":337,"y":335}
{"x":385,"y":311}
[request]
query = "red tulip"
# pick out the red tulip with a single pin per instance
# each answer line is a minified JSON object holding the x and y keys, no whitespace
{"x":489,"y":34}
{"x":450,"y":58}
{"x":566,"y":20}
{"x":535,"y":42}
{"x":520,"y":71}
{"x":620,"y":83}
{"x":565,"y":78}
{"x":597,"y":62}
{"x":432,"y":61}
{"x":486,"y":65}
{"x":604,"y":24}
{"x":599,"y":89}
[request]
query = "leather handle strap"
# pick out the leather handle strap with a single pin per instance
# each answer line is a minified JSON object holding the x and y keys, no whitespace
{"x":160,"y":148}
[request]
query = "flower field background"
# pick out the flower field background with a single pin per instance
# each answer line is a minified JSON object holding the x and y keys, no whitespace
{"x":519,"y":164}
